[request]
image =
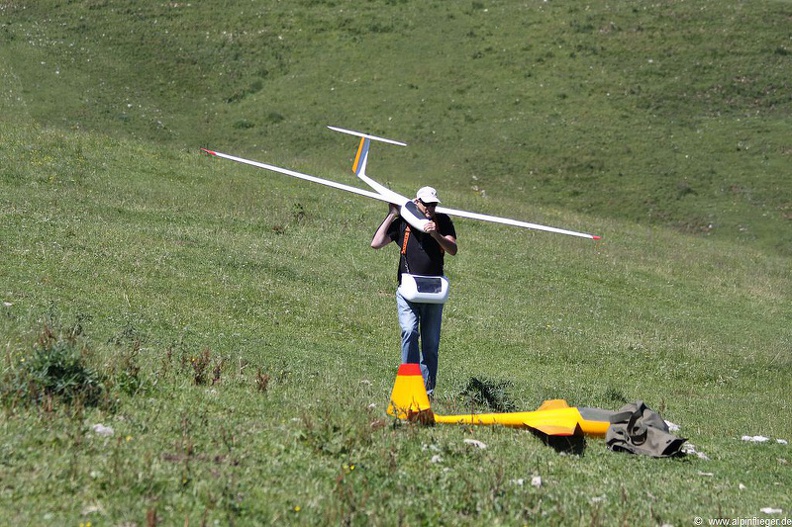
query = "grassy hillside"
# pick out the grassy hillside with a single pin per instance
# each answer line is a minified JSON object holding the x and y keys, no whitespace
{"x":237,"y":334}
{"x":671,"y":113}
{"x":245,"y":342}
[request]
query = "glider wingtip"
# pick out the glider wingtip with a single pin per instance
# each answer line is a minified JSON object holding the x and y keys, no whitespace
{"x":596,"y":238}
{"x":210,"y":152}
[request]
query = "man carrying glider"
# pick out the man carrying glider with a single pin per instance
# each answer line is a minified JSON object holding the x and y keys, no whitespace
{"x":422,"y":255}
{"x":425,"y":233}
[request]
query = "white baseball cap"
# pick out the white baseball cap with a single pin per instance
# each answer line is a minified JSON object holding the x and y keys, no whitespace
{"x":427,"y":195}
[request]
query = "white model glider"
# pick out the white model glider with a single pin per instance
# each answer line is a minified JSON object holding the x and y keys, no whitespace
{"x":408,"y":210}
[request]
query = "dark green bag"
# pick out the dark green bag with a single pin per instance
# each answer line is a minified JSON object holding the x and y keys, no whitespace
{"x":638,"y":429}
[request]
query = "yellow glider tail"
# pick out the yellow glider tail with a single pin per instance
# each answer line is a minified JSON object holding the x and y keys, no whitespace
{"x":553,"y":418}
{"x":408,"y":398}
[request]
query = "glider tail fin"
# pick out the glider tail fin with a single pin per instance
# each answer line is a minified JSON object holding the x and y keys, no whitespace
{"x":359,"y":166}
{"x":409,"y":399}
{"x":361,"y":160}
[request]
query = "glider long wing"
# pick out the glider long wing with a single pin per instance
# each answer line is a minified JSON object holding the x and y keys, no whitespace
{"x":514,"y":223}
{"x":300,"y":175}
{"x":382,"y":193}
{"x":407,"y":208}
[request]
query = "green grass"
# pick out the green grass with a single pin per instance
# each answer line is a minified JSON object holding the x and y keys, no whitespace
{"x":672,"y":113}
{"x":244,"y":335}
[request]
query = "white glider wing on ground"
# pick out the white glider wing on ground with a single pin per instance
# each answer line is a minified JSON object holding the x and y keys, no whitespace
{"x":408,"y":209}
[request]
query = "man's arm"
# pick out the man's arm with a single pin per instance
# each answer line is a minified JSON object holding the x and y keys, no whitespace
{"x":447,"y":242}
{"x":381,"y":238}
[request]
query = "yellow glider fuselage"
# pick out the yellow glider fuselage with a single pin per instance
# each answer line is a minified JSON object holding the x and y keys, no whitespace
{"x":556,"y":422}
{"x":554,"y":417}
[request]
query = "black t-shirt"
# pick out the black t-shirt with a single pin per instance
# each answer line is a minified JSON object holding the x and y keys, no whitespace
{"x":423,"y":255}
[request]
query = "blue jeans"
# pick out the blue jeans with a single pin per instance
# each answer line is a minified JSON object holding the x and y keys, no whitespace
{"x":422,"y":321}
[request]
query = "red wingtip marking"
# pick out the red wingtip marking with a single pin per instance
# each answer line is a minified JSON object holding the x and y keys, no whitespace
{"x":211,"y":153}
{"x":596,"y":237}
{"x":409,"y":368}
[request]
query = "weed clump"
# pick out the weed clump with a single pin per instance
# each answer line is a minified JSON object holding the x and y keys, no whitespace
{"x":489,"y":393}
{"x":202,"y":365}
{"x":57,"y":370}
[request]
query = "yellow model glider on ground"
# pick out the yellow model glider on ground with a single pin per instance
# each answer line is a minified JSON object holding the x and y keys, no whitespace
{"x":553,"y":418}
